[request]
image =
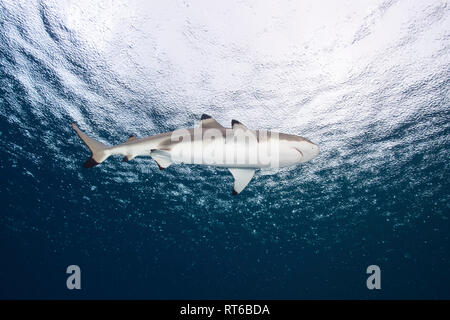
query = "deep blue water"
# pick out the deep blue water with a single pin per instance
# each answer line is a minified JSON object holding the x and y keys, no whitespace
{"x":368,"y":82}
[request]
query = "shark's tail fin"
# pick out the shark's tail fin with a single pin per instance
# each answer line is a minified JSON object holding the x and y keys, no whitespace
{"x":99,"y":151}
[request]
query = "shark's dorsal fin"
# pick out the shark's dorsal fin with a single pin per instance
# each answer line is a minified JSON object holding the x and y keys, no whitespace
{"x":241,"y":178}
{"x":236,"y":125}
{"x":208,"y":122}
{"x":131,"y":138}
{"x":162,"y":158}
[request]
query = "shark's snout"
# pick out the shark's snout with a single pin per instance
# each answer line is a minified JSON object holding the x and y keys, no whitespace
{"x":308,"y":149}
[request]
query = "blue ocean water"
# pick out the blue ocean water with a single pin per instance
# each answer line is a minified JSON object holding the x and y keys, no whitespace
{"x":367,"y":81}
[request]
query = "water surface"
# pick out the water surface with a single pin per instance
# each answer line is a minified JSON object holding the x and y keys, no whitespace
{"x":367,"y":81}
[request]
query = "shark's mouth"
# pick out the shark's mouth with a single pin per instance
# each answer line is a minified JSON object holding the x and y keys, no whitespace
{"x":301,"y":153}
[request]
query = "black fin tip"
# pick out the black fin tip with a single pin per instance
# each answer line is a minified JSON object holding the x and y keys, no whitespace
{"x":233,"y":122}
{"x":90,"y":163}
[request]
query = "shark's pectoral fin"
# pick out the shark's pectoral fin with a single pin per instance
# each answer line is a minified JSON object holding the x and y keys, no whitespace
{"x":242,"y":132}
{"x":237,"y":125}
{"x":162,"y":158}
{"x":241,"y":178}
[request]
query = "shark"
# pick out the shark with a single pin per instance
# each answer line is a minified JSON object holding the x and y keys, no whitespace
{"x":239,"y":149}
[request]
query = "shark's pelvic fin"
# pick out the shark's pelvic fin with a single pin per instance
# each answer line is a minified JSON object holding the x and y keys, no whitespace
{"x":128,"y":157}
{"x":161,"y":157}
{"x":209,"y":122}
{"x":241,"y":178}
{"x":99,"y":151}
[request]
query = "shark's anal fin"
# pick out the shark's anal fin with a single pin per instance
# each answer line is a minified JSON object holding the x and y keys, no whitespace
{"x":241,"y":178}
{"x":162,"y":158}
